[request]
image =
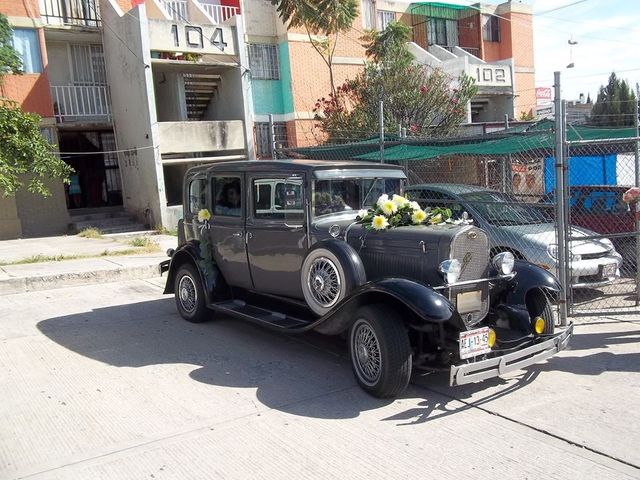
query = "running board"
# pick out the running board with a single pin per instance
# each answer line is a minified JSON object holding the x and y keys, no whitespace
{"x":241,"y":309}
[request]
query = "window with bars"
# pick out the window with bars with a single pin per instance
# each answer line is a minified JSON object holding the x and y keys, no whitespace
{"x":87,"y":62}
{"x":264,"y":61}
{"x":263,"y":138}
{"x":385,"y":18}
{"x":491,"y":28}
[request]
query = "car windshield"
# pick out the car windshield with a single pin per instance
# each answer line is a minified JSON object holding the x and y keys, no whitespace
{"x":501,"y":209}
{"x":350,"y":194}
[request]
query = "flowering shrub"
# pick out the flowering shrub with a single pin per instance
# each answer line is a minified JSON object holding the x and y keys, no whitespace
{"x":631,"y":195}
{"x":398,"y":211}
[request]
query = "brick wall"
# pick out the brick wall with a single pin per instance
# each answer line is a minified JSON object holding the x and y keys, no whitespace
{"x":20,"y":8}
{"x":31,"y":91}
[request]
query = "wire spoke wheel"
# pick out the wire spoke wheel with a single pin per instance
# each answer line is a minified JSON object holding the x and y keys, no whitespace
{"x":367,"y":354}
{"x":187,"y":294}
{"x":323,"y":282}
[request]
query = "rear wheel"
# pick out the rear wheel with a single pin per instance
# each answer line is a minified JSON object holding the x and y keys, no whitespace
{"x":380,"y":351}
{"x":189,"y":295}
{"x":539,"y":305}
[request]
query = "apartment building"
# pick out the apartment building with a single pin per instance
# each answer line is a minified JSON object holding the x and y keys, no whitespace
{"x":133,"y":95}
{"x":491,"y":43}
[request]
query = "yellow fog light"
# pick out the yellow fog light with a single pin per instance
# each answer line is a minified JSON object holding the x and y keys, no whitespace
{"x":492,"y":338}
{"x":538,"y":325}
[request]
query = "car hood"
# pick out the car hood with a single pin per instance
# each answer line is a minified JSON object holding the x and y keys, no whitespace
{"x":544,"y":234}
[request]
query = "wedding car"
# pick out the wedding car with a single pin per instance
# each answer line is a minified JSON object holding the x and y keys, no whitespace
{"x":304,"y":245}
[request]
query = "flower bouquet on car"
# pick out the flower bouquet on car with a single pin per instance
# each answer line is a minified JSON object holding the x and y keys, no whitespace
{"x":398,"y":211}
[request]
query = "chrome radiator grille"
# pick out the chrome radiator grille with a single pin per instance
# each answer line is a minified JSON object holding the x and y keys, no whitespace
{"x":471,"y":248}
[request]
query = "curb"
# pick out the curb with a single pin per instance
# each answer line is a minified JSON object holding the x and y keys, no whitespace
{"x":13,"y":285}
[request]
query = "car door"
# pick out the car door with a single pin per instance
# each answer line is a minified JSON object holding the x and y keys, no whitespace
{"x":277,"y":237}
{"x":227,"y":232}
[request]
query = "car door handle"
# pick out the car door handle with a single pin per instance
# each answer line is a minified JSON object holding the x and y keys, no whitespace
{"x":237,"y":234}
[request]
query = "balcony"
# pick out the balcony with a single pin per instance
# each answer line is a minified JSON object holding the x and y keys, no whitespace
{"x":80,"y":103}
{"x":178,"y":10}
{"x":85,"y":13}
{"x":186,"y":138}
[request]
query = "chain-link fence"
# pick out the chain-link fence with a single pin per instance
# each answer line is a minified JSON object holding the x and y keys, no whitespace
{"x":507,"y":183}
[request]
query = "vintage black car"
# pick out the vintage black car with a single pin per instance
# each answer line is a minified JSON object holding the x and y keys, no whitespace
{"x":283,"y":249}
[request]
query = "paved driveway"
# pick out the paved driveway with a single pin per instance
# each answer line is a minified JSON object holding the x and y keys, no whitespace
{"x":108,"y":382}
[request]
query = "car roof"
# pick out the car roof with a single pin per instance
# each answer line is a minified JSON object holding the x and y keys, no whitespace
{"x":452,"y":188}
{"x":286,"y":165}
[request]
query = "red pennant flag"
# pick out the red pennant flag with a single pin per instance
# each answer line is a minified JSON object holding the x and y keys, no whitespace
{"x":135,"y":3}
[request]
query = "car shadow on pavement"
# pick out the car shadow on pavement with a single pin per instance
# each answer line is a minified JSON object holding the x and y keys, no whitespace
{"x":306,"y":375}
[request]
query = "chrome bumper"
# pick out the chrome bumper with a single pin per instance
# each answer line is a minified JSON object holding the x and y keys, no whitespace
{"x":493,"y":367}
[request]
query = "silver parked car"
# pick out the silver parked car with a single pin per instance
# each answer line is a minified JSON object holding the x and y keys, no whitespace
{"x":523,"y":230}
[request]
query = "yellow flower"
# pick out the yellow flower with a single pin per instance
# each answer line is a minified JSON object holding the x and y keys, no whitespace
{"x":204,"y":215}
{"x":389,"y":207}
{"x":381,"y":199}
{"x":418,"y":216}
{"x":399,"y":200}
{"x":379,"y":222}
{"x":436,"y":218}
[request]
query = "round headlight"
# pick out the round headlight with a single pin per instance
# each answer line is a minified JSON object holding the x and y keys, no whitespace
{"x":504,"y":262}
{"x":552,"y":250}
{"x":451,"y":270}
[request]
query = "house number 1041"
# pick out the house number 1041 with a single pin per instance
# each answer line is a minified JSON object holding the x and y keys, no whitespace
{"x":194,"y":37}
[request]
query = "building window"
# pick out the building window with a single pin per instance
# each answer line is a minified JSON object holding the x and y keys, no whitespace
{"x":385,"y":18}
{"x":443,"y":32}
{"x":491,"y":28}
{"x":264,"y":62}
{"x":87,"y":62}
{"x":263,"y":138}
{"x":368,"y":14}
{"x":27,"y":44}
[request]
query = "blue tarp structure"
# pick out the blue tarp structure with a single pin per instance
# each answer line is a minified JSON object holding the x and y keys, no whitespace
{"x":583,"y":170}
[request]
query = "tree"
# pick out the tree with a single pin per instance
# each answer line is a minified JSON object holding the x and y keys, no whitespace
{"x":23,"y":150}
{"x":614,"y":105}
{"x":425,"y":100}
{"x":325,"y":18}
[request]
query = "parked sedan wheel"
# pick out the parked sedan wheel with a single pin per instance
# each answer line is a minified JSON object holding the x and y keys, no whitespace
{"x":189,"y":295}
{"x":327,"y":276}
{"x":539,"y":305}
{"x":380,"y":351}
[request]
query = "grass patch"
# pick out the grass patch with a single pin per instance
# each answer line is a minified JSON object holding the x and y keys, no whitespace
{"x":90,"y":232}
{"x":42,"y":258}
{"x":160,"y":230}
{"x":143,"y":242}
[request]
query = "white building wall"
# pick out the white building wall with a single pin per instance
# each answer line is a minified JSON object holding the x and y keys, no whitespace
{"x":128,"y":64}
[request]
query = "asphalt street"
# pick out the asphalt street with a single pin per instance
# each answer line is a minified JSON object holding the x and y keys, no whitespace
{"x":108,"y":382}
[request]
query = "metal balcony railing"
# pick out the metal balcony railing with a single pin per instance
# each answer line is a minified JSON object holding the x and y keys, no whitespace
{"x":70,"y":12}
{"x":177,"y":9}
{"x":473,"y":51}
{"x":81,"y":102}
{"x":219,"y":13}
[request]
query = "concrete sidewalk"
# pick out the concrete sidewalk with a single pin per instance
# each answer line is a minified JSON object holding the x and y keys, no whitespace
{"x":110,"y":258}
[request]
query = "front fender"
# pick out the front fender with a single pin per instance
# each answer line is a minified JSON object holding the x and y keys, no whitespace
{"x":528,"y":277}
{"x":426,"y":305}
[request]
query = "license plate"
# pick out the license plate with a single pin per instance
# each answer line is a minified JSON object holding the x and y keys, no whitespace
{"x":469,"y":301}
{"x":609,"y":270}
{"x":474,"y":342}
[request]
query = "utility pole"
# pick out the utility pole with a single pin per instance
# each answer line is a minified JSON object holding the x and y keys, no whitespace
{"x":560,"y":200}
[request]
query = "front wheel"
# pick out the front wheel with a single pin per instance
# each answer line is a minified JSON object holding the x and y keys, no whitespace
{"x":539,"y":305}
{"x":380,"y":351}
{"x":189,"y":295}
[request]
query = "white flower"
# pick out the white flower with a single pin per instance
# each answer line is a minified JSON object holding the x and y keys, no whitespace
{"x":415,"y":206}
{"x":399,"y":200}
{"x":389,"y":207}
{"x":379,"y":222}
{"x":418,"y":216}
{"x":363,"y":213}
{"x":204,"y":215}
{"x":436,"y":219}
{"x":381,"y":199}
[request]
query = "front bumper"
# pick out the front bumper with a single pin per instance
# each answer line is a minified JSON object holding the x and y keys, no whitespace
{"x":493,"y":367}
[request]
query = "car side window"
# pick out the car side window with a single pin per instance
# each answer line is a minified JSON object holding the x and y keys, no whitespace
{"x":227,"y":196}
{"x":197,"y":195}
{"x":277,"y":198}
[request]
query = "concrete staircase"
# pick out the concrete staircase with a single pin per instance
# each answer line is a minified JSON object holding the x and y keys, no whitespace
{"x":199,"y":89}
{"x":107,"y":220}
